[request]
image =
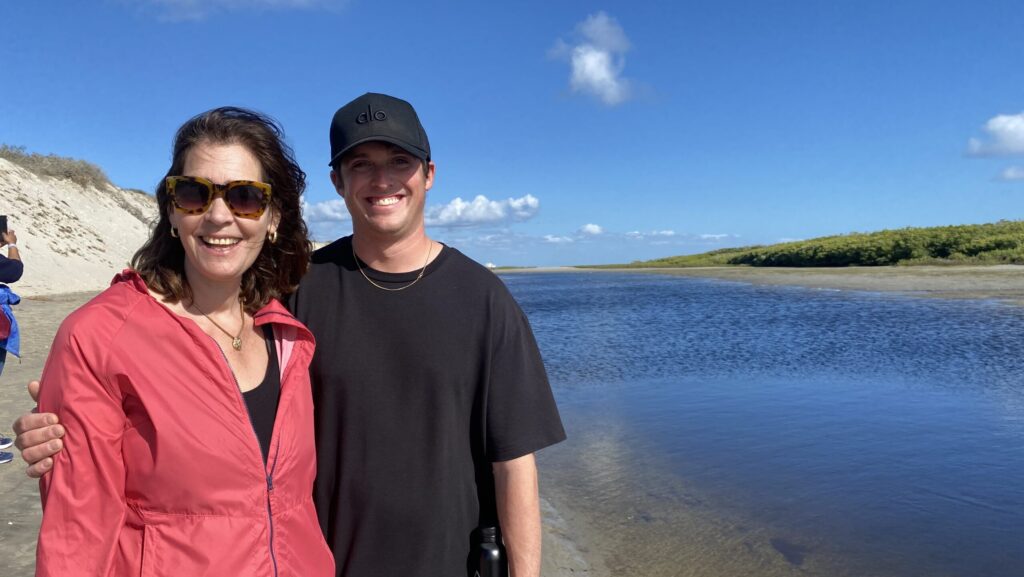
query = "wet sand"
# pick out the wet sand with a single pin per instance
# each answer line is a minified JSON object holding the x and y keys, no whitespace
{"x":38,"y":319}
{"x":1002,"y":282}
{"x":663,"y":526}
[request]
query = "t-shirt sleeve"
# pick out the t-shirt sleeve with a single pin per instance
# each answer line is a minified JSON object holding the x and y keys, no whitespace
{"x":10,"y":269}
{"x":521,"y":413}
{"x":291,"y":302}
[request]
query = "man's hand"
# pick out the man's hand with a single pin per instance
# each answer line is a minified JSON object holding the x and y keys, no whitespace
{"x":38,"y":436}
{"x":10,"y":238}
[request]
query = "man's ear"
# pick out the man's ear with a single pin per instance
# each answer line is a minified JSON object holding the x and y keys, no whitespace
{"x":430,"y":174}
{"x":339,"y":186}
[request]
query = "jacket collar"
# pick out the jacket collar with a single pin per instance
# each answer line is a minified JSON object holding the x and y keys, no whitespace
{"x":272,"y":312}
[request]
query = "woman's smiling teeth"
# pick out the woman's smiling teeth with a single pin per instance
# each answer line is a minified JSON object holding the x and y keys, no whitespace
{"x":220,"y":241}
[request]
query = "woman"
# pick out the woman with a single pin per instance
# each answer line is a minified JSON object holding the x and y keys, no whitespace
{"x":184,"y":386}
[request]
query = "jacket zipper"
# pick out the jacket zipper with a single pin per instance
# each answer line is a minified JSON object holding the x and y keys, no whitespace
{"x":267,"y":476}
{"x":270,"y":489}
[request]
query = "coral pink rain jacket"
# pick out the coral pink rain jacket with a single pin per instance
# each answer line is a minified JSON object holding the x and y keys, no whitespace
{"x":162,"y":472}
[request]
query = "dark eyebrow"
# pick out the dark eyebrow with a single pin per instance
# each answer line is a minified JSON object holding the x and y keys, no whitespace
{"x":393,"y":150}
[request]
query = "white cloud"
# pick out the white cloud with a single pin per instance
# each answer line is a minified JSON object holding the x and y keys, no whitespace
{"x":327,"y":220}
{"x":480,"y":211}
{"x":327,"y":211}
{"x":182,"y":10}
{"x":1012,"y":173}
{"x":652,"y":235}
{"x":504,"y":239}
{"x":714,"y":236}
{"x":604,"y":32}
{"x":597,"y":59}
{"x":552,"y":239}
{"x":1005,"y":137}
{"x":591,"y":230}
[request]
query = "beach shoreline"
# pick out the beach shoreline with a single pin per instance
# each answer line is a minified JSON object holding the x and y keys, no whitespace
{"x":998,"y":282}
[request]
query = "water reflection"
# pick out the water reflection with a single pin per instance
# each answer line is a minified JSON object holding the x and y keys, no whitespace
{"x":600,"y":329}
{"x":722,"y":425}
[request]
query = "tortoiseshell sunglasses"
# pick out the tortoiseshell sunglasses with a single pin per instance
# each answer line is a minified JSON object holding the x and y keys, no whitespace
{"x":194,"y":195}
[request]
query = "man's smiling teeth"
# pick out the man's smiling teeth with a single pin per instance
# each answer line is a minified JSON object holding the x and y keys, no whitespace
{"x":384,"y":200}
{"x":220,"y":241}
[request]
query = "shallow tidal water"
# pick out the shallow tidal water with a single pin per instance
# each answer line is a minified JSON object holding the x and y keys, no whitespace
{"x":722,"y":428}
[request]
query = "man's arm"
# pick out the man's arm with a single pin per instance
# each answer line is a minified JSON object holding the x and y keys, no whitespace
{"x":38,"y":437}
{"x":11,"y":268}
{"x":515,"y":485}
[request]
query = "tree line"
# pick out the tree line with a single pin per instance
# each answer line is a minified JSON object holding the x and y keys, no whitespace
{"x":994,"y":243}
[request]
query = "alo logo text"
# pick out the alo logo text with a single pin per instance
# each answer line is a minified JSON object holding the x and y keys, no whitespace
{"x":371,"y":115}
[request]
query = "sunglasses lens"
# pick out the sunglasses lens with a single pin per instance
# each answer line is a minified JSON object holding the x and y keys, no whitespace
{"x":245,"y":199}
{"x":190,"y":195}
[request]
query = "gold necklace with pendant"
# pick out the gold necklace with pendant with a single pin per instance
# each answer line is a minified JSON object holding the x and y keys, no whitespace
{"x":236,"y":340}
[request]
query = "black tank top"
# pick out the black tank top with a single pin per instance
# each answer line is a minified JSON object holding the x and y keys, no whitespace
{"x":262,"y":401}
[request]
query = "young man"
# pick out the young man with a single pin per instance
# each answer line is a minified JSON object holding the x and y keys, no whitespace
{"x":430,"y":393}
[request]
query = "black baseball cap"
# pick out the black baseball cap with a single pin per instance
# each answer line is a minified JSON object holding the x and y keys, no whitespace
{"x":378,"y":117}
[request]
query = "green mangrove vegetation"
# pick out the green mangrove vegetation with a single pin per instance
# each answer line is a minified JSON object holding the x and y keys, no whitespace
{"x":994,"y":243}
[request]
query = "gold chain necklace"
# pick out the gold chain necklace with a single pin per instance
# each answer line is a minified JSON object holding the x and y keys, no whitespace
{"x":236,"y":340}
{"x":430,"y":249}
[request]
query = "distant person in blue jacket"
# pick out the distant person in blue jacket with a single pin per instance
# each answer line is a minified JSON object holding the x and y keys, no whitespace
{"x":11,"y":268}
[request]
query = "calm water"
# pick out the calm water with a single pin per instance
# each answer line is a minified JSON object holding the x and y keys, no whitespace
{"x":792,"y":431}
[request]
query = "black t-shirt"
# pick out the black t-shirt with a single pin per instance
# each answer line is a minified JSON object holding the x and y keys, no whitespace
{"x":416,"y":393}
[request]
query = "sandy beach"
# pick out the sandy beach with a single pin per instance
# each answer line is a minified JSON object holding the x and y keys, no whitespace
{"x":1002,"y":282}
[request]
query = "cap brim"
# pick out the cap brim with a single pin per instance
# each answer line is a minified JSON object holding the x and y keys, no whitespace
{"x":417,"y":152}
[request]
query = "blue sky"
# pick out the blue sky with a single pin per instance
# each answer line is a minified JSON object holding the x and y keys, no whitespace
{"x":565,"y":132}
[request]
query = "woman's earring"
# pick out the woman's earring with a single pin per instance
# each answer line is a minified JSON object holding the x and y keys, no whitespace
{"x":174,"y":232}
{"x":272,"y":236}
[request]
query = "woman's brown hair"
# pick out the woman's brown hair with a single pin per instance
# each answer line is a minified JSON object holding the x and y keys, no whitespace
{"x":280,"y":265}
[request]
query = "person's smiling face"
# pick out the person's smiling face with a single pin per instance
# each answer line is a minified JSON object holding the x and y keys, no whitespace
{"x":219,"y":246}
{"x":385,"y":189}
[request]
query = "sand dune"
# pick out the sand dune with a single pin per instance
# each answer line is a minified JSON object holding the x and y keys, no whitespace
{"x":72,"y":238}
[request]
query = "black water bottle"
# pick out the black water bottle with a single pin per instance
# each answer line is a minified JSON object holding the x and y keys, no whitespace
{"x":493,"y":561}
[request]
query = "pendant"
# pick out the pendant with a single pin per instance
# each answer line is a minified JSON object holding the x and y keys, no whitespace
{"x":236,"y":343}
